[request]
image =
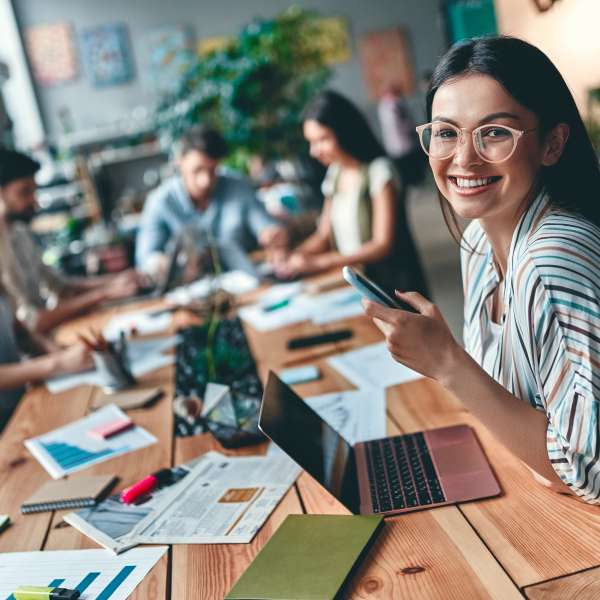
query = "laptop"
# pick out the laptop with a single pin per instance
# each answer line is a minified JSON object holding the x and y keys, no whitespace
{"x":386,"y":476}
{"x":160,"y":287}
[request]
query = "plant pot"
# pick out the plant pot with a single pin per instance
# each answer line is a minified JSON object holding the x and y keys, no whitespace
{"x":220,"y":356}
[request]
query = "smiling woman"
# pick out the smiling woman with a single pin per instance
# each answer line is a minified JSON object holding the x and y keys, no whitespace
{"x":509,"y":152}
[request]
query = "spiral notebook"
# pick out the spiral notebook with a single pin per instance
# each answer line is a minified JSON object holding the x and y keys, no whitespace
{"x":77,"y":492}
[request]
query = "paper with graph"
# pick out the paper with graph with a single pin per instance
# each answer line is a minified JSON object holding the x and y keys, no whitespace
{"x":357,"y":415}
{"x":71,"y":448}
{"x":97,"y":574}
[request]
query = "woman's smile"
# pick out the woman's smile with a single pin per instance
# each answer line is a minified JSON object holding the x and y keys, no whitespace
{"x":470,"y":185}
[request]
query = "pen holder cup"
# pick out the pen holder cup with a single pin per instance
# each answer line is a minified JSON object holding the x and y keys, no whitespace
{"x":114,"y":372}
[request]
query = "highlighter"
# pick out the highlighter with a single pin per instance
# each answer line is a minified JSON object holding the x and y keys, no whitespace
{"x":33,"y":592}
{"x":275,"y":305}
{"x":146,"y":485}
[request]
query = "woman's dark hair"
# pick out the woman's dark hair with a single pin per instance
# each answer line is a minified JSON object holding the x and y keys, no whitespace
{"x":529,"y":76}
{"x":349,"y":125}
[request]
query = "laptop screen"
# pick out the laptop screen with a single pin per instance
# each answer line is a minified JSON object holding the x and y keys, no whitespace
{"x":306,"y":438}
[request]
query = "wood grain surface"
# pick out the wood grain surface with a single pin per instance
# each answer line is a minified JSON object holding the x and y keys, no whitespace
{"x":529,"y":541}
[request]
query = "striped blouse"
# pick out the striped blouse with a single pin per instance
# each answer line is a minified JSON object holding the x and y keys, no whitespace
{"x":548,"y":350}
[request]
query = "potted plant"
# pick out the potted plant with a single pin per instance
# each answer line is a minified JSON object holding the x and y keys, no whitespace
{"x":253,"y":89}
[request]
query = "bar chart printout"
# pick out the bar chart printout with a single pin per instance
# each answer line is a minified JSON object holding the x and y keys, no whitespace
{"x":97,"y":574}
{"x":70,"y":448}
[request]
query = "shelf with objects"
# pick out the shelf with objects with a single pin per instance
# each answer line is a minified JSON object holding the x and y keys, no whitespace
{"x":95,"y":208}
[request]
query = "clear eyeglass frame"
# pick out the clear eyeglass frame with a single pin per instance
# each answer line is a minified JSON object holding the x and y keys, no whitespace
{"x":476,"y":138}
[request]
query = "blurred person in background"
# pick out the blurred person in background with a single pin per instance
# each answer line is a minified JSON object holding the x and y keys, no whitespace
{"x":363,"y":221}
{"x":27,"y":358}
{"x":399,"y":136}
{"x":44,"y":298}
{"x":205,"y":198}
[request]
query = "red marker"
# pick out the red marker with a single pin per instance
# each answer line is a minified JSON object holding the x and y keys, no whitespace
{"x":146,"y":485}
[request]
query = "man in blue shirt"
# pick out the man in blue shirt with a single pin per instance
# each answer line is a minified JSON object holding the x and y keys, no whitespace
{"x":206,"y":201}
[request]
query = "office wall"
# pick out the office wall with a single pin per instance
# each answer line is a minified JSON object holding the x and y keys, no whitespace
{"x":208,"y":18}
{"x":568,"y":34}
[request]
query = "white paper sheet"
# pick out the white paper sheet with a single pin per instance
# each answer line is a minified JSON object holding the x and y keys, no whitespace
{"x":357,"y":415}
{"x":144,"y":356}
{"x":96,"y":573}
{"x":297,"y":310}
{"x":224,"y":500}
{"x":336,"y":305}
{"x":372,"y":367}
{"x":320,"y":308}
{"x":71,"y":448}
{"x":141,"y":322}
{"x":233,"y":282}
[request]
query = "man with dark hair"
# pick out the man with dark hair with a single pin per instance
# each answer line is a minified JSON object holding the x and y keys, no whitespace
{"x":205,"y":200}
{"x":43,"y":298}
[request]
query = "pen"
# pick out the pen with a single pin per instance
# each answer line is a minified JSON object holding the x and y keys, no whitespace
{"x":276,"y":305}
{"x":4,"y":522}
{"x":34,"y":592}
{"x":146,"y":485}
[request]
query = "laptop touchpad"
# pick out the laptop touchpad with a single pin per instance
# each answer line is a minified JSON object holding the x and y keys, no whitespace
{"x":458,"y":458}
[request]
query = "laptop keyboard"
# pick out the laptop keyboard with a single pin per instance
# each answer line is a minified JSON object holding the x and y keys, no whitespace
{"x":401,"y":473}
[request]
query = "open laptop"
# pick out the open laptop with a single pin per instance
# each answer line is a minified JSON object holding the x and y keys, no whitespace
{"x":161,"y":286}
{"x":391,"y":475}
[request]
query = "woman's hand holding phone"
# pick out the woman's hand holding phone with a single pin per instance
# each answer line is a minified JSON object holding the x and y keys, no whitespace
{"x":422,"y":341}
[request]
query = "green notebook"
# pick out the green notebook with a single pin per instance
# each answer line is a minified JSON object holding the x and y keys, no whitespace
{"x":309,"y":557}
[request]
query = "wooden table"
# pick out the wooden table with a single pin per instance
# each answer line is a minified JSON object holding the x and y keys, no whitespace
{"x":529,"y":542}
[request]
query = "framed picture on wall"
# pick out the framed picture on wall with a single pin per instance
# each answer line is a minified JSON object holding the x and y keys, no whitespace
{"x":168,"y":53}
{"x":386,"y":62}
{"x":107,"y":54}
{"x":51,"y":53}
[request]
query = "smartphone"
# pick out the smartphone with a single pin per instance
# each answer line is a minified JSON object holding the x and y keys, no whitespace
{"x":371,"y":291}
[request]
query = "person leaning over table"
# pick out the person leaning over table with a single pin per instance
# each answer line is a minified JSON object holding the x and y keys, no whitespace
{"x":17,"y":370}
{"x":44,"y":297}
{"x":509,"y":151}
{"x":207,"y":198}
{"x":363,"y":221}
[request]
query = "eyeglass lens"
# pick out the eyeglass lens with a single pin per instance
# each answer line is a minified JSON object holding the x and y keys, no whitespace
{"x":493,"y":143}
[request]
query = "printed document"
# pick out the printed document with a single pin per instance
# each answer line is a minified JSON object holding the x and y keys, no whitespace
{"x":94,"y":573}
{"x":372,"y":367}
{"x":357,"y":415}
{"x":223,"y":500}
{"x":71,"y":448}
{"x":218,"y":499}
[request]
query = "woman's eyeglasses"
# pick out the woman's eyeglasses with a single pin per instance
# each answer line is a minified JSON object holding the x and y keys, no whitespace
{"x":493,"y":143}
